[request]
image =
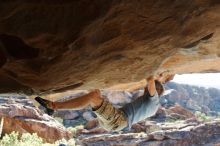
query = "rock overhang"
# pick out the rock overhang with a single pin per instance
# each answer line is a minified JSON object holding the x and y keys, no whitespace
{"x":49,"y":47}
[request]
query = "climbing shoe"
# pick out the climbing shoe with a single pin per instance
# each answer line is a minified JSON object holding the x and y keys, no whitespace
{"x":44,"y":103}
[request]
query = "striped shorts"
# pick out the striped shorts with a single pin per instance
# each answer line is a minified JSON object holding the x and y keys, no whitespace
{"x":111,"y":118}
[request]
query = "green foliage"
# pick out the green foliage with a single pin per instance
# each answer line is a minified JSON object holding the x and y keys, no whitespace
{"x":202,"y":116}
{"x":28,"y":139}
{"x":152,"y":129}
{"x":10,"y":140}
{"x":172,"y":120}
{"x":25,"y":140}
{"x":70,"y":142}
{"x":74,"y":129}
{"x":60,"y":120}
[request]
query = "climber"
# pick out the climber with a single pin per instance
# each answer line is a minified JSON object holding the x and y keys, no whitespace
{"x":109,"y":117}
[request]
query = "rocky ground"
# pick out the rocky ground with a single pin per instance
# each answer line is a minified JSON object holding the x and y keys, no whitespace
{"x":180,"y":133}
{"x":174,"y":126}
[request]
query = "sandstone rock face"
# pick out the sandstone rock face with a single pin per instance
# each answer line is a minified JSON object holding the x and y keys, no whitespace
{"x":54,"y":46}
{"x":22,"y":118}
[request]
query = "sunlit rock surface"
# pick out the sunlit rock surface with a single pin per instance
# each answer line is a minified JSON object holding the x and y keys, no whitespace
{"x":21,"y":116}
{"x":62,"y":45}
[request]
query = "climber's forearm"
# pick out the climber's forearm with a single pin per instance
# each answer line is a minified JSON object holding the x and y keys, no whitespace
{"x":137,"y":86}
{"x":150,"y":88}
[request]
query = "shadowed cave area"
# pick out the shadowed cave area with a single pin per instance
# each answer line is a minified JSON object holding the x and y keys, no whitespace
{"x":22,"y":51}
{"x":49,"y":48}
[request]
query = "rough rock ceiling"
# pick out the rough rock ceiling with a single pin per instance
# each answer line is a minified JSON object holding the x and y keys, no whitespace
{"x":49,"y":45}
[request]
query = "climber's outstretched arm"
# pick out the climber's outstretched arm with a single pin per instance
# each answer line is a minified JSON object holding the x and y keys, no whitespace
{"x":150,"y":88}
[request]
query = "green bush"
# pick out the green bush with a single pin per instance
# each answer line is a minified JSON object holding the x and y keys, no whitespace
{"x":152,"y":129}
{"x":28,"y":139}
{"x":172,"y":120}
{"x":74,"y":129}
{"x":58,"y":119}
{"x":70,"y":142}
{"x":202,"y":116}
{"x":25,"y":140}
{"x":10,"y":140}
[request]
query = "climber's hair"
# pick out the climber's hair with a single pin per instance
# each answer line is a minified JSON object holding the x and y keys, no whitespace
{"x":159,"y":87}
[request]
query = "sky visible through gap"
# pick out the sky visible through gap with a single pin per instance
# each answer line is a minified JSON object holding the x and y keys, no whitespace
{"x":204,"y":80}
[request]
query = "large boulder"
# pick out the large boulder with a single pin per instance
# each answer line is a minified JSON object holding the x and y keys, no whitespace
{"x":48,"y":47}
{"x":23,"y":118}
